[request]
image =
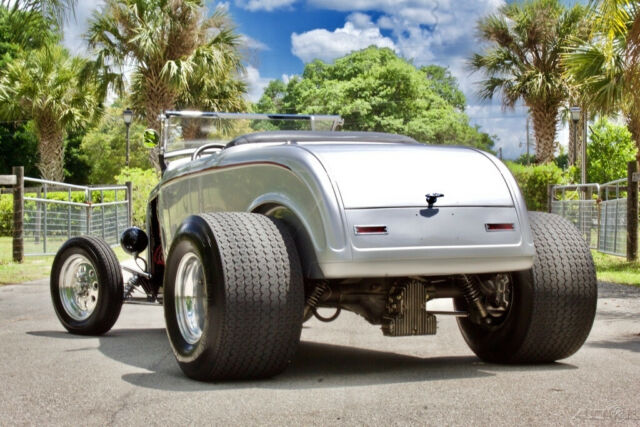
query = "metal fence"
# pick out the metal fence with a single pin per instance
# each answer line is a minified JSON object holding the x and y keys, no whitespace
{"x":599,"y":211}
{"x":55,"y":212}
{"x":612,"y":238}
{"x":579,"y":204}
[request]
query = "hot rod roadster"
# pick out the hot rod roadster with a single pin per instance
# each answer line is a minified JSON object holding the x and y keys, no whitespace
{"x":259,"y":220}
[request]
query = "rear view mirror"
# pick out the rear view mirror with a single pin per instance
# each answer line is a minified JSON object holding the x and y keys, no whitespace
{"x":151,"y":138}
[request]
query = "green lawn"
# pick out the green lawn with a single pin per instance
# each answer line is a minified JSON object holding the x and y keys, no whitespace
{"x":610,"y":268}
{"x":616,"y":269}
{"x":33,"y":268}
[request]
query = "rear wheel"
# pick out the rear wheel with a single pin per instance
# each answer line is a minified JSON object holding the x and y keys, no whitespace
{"x":551,"y":307}
{"x":234,"y":296}
{"x":86,"y":286}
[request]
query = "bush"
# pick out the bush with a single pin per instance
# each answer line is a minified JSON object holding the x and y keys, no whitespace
{"x":6,"y":214}
{"x":533,"y":182}
{"x":143,"y":181}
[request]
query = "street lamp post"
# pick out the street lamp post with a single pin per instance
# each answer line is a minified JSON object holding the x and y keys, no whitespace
{"x":575,"y":118}
{"x":127,"y":116}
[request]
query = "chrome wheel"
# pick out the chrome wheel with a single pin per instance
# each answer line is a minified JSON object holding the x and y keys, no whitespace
{"x":190,"y":298}
{"x":79,"y":289}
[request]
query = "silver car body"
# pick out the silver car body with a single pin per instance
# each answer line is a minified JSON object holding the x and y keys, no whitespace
{"x":335,"y":182}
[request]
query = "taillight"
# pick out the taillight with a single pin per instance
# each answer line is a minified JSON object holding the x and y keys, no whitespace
{"x":500,"y":227}
{"x":370,"y":229}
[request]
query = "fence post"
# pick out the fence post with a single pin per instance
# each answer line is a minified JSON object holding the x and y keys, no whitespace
{"x":44,"y":221}
{"x":549,"y":197}
{"x":69,"y":216}
{"x":130,"y":203}
{"x":89,"y":202}
{"x":18,"y":214}
{"x":632,"y":212}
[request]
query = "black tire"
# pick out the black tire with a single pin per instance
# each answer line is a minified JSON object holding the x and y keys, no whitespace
{"x":553,"y":304}
{"x":253,"y":296}
{"x":109,"y":286}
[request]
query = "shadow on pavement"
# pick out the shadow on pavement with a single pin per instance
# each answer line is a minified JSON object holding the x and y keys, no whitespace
{"x":317,"y":365}
{"x":630,"y":343}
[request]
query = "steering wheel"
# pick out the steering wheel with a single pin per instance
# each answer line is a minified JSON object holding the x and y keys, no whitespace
{"x":205,"y":147}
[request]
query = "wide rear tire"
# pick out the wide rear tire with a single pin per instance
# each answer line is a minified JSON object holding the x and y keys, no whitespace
{"x":553,"y":304}
{"x":233,"y":296}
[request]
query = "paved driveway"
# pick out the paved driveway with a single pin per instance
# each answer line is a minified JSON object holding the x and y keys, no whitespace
{"x":346,"y":372}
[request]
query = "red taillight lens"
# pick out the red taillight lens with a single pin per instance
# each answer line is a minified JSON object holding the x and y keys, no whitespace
{"x":500,"y":227}
{"x":371,"y":229}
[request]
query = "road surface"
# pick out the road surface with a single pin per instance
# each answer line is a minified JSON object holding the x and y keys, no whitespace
{"x":345,"y":373}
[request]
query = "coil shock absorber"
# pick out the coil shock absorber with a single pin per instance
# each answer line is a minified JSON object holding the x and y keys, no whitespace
{"x":314,"y":298}
{"x":471,"y":294}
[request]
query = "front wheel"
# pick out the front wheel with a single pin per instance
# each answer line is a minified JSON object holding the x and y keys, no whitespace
{"x":551,"y":306}
{"x":86,"y":286}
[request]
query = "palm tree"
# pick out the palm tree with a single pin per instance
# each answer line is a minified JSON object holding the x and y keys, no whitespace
{"x":27,"y":13}
{"x":522,"y":62}
{"x":606,"y":68}
{"x":43,"y":85}
{"x":178,"y":58}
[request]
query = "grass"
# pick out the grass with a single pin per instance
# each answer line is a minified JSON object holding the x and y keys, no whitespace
{"x":609,"y":268}
{"x":616,"y":269}
{"x":33,"y":267}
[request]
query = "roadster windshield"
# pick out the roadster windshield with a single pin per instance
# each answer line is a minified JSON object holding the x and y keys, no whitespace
{"x":185,"y":131}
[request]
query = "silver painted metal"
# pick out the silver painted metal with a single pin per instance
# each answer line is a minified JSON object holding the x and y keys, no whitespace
{"x":330,"y":184}
{"x":190,"y":297}
{"x":79,"y":288}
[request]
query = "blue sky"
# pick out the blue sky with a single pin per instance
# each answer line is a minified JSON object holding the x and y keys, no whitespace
{"x":282,"y":35}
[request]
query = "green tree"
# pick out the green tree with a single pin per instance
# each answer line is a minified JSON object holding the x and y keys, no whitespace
{"x":18,"y":142}
{"x":603,"y":67}
{"x":522,"y":61}
{"x":43,"y":85}
{"x":179,"y":57}
{"x":609,"y":150}
{"x":375,"y":90}
{"x":104,"y":147}
{"x":442,"y":82}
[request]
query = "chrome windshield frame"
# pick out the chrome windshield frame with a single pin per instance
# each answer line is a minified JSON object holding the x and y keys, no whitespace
{"x":164,"y":120}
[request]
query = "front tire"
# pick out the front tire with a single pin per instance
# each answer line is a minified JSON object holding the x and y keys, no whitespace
{"x":234,"y":296}
{"x":86,"y":286}
{"x":553,"y":304}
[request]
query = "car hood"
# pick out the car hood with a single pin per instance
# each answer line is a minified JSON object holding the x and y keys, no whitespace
{"x":400,"y":175}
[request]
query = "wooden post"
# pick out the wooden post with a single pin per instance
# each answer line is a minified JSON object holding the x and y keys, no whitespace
{"x":632,"y":212}
{"x":18,"y":214}
{"x":130,"y":204}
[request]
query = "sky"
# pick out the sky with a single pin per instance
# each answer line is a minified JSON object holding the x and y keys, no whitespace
{"x":283,"y":35}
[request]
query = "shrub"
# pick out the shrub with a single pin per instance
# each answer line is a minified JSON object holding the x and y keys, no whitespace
{"x":533,"y":182}
{"x":143,"y":181}
{"x":6,"y":214}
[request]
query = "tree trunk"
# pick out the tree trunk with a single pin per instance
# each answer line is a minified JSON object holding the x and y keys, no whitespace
{"x":158,"y":98}
{"x":545,"y":121}
{"x":50,"y":147}
{"x":633,"y":124}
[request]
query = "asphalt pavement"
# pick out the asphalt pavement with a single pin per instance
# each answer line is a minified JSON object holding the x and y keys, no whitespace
{"x":345,"y":373}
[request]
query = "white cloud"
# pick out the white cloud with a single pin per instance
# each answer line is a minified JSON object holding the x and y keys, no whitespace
{"x":256,"y":83}
{"x":286,"y":78}
{"x":358,"y":33}
{"x":74,"y":28}
{"x":268,"y":5}
{"x":438,"y":32}
{"x":253,"y":44}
